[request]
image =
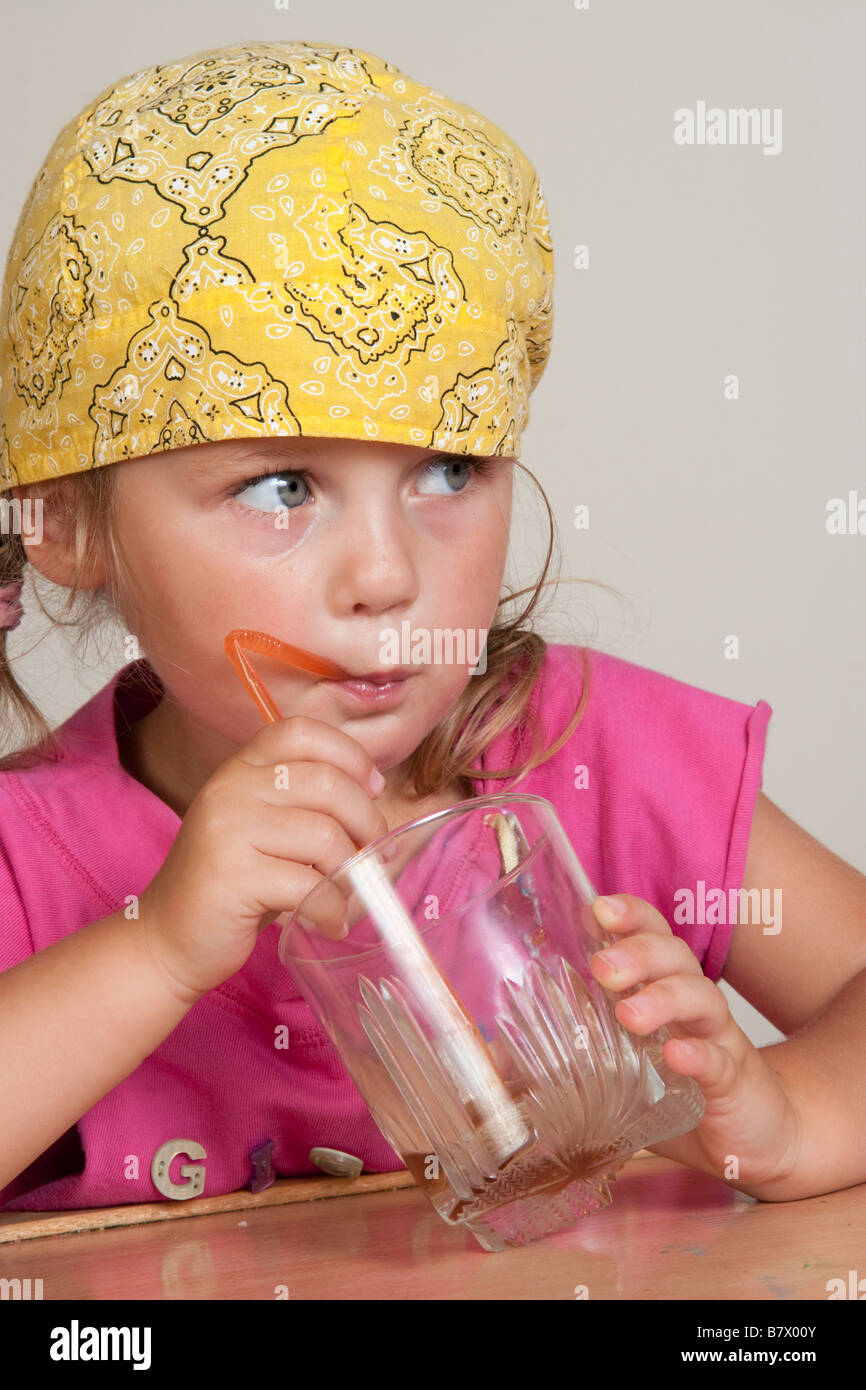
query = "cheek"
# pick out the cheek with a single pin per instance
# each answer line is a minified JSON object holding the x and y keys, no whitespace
{"x":476,"y":567}
{"x":179,"y":577}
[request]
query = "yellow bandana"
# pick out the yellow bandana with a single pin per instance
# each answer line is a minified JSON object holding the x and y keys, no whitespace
{"x":274,"y":238}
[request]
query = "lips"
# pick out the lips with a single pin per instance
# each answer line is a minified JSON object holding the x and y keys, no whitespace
{"x":384,"y":692}
{"x":382,"y":677}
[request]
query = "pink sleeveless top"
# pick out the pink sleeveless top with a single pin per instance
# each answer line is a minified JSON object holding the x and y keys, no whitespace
{"x":655,"y":789}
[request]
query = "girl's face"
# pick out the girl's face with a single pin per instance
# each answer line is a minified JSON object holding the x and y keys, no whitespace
{"x":328,"y":544}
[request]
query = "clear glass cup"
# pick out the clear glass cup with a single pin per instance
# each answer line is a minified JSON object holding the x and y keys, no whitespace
{"x":512,"y":1092}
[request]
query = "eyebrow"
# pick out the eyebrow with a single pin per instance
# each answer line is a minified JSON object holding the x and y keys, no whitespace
{"x":246,"y":451}
{"x":263,"y":449}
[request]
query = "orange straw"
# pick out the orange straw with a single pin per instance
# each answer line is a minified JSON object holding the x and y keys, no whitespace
{"x":265,"y":645}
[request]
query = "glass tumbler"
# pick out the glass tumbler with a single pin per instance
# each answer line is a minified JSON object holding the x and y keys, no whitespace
{"x":507,"y":1086}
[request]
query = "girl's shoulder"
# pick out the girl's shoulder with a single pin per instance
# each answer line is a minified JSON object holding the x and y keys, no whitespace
{"x":78,"y":834}
{"x":657,"y":783}
{"x":638,"y":707}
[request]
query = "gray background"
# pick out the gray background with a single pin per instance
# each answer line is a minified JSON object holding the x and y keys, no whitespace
{"x":706,"y":515}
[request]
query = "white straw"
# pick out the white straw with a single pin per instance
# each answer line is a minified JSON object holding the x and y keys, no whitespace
{"x":468,"y":1062}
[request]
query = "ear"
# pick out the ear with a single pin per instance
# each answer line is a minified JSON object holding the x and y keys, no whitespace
{"x":47,"y":530}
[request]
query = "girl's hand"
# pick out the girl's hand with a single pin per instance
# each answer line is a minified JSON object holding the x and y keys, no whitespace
{"x":262,"y":832}
{"x":749,"y":1117}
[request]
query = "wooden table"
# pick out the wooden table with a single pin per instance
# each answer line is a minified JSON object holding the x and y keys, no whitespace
{"x":671,"y":1233}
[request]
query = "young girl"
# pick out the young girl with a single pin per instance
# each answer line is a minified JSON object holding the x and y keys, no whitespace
{"x":271,"y":319}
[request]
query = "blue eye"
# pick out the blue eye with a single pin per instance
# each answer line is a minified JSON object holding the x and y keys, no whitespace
{"x":454,"y":466}
{"x":285,"y":488}
{"x":285,"y":493}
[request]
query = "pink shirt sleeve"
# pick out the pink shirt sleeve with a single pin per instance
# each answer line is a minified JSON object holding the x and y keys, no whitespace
{"x":16,"y":941}
{"x":65,"y":1155}
{"x":656,"y":788}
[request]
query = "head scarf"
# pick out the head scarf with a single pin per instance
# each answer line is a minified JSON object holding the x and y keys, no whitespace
{"x":272,"y":238}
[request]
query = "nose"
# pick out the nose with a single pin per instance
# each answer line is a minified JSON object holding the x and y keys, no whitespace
{"x":375,"y":565}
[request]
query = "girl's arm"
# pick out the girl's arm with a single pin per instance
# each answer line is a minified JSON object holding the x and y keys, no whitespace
{"x":75,"y":1019}
{"x":809,"y":979}
{"x":791,"y":969}
{"x":780,"y":1122}
{"x":823,"y":1067}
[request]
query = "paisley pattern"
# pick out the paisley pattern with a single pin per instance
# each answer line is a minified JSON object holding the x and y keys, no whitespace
{"x":272,"y":238}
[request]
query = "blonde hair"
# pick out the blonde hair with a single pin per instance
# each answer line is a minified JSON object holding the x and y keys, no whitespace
{"x":489,"y":704}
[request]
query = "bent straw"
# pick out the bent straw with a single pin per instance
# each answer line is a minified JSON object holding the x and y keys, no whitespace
{"x":266,"y":645}
{"x":462,"y":1048}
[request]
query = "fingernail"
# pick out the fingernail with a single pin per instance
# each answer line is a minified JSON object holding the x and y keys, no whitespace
{"x":614,"y":960}
{"x":376,"y":782}
{"x":610,"y":907}
{"x":636,"y":1007}
{"x":341,"y":931}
